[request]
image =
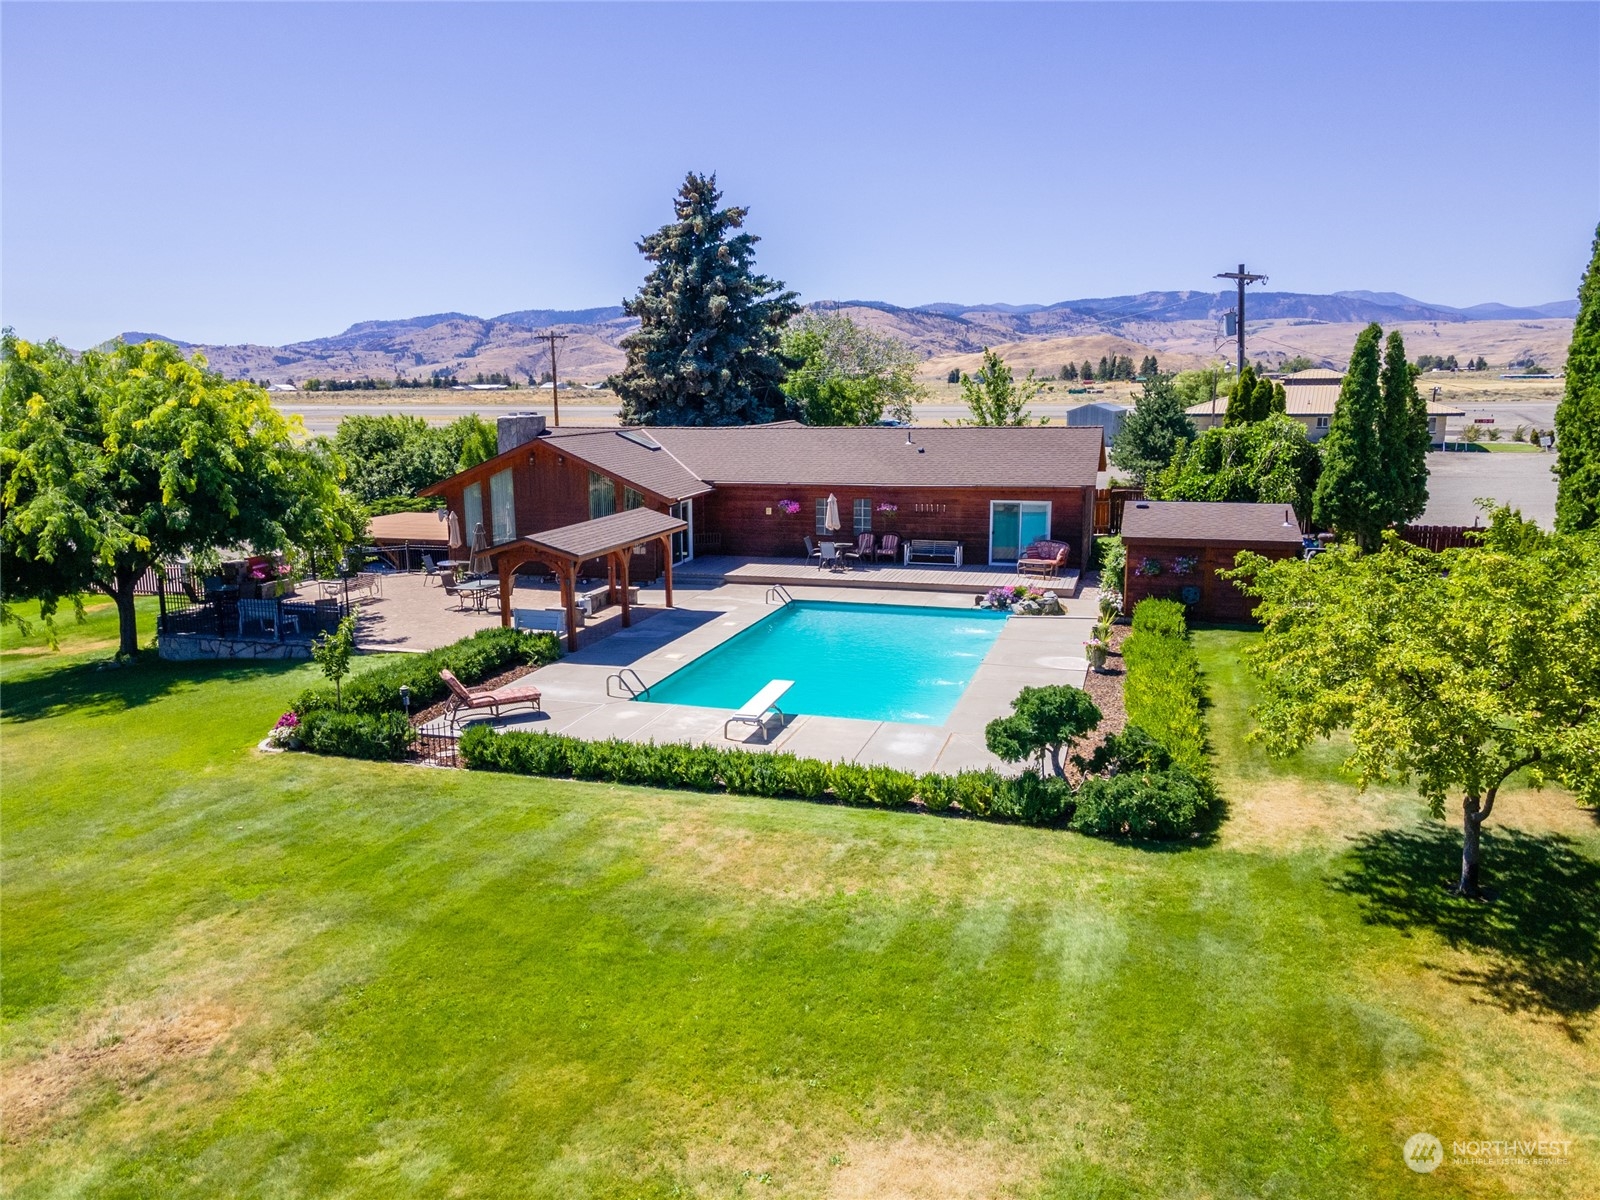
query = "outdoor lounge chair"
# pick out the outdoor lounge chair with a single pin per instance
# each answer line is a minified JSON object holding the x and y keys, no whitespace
{"x":464,"y":699}
{"x":888,"y":546}
{"x":759,"y":707}
{"x":864,"y":546}
{"x":1044,"y":557}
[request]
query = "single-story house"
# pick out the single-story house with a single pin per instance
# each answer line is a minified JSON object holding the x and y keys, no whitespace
{"x":760,"y":490}
{"x":1108,"y":416}
{"x":1176,"y":547}
{"x":1310,"y":397}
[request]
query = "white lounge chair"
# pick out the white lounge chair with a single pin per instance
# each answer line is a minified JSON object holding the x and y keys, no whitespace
{"x":755,"y":710}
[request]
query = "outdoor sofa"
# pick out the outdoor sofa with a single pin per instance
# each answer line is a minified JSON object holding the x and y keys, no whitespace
{"x":1044,"y":557}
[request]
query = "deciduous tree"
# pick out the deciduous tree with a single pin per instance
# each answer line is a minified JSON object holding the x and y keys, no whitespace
{"x":1456,"y":670}
{"x":1578,"y":415}
{"x":706,"y":350}
{"x":844,"y":374}
{"x":1269,"y":461}
{"x":994,"y":397}
{"x":120,"y":459}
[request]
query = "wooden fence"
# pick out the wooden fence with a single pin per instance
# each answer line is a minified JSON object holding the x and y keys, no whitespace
{"x":1439,"y":537}
{"x":1108,"y":504}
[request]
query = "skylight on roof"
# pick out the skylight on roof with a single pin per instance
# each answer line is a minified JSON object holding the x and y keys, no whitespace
{"x":640,"y":438}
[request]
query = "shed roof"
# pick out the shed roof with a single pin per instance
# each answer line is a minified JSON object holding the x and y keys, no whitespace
{"x":1309,"y":400}
{"x":602,"y":535}
{"x":408,"y":527}
{"x":1208,"y":522}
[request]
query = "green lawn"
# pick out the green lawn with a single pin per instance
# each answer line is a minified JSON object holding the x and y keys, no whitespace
{"x":228,"y":973}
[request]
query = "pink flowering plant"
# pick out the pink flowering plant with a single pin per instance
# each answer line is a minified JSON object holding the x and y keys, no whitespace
{"x":789,"y":506}
{"x":287,"y":731}
{"x":1185,"y":564}
{"x":885,"y":507}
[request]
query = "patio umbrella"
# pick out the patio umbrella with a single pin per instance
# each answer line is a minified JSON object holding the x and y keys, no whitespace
{"x":830,"y":519}
{"x":480,"y":551}
{"x":454,"y":534}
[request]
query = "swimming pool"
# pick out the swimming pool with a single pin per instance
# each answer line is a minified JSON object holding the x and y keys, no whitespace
{"x":878,"y":662}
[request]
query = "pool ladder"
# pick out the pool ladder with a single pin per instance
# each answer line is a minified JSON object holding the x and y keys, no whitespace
{"x":630,"y":686}
{"x":778,"y":594}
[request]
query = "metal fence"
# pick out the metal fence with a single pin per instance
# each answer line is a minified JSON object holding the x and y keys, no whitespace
{"x":187,"y":608}
{"x":434,"y":749}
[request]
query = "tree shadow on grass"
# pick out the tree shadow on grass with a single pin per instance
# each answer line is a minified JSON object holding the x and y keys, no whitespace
{"x":1537,"y":931}
{"x":98,"y":687}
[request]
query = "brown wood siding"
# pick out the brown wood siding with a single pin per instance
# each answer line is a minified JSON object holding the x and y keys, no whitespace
{"x":738,"y":514}
{"x":1220,"y":599}
{"x":551,"y":489}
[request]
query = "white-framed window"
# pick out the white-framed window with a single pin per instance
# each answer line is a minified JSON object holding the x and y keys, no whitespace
{"x":862,"y":511}
{"x":472,"y":510}
{"x":1322,"y":422}
{"x":602,"y":495}
{"x":502,"y":508}
{"x":822,"y":515}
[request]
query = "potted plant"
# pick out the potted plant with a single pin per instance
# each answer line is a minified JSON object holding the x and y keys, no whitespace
{"x":1185,"y":564}
{"x":1095,"y":651}
{"x":1148,"y":566}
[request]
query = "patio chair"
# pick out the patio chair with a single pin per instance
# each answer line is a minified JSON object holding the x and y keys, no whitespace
{"x":465,"y":699}
{"x":452,"y":589}
{"x":864,"y":547}
{"x":828,"y":555}
{"x":888,"y":544}
{"x":430,"y":570}
{"x":1044,"y":557}
{"x":811,"y":548}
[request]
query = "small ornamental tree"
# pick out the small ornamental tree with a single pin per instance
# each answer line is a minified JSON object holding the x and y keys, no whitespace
{"x":994,"y":397}
{"x":706,"y":350}
{"x":1352,"y":496}
{"x":332,"y":652}
{"x":1578,"y":415}
{"x":1150,"y":434}
{"x":1456,"y":670}
{"x":1045,"y":721}
{"x":116,"y":460}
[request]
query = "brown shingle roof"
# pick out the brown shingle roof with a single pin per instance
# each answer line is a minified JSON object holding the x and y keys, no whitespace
{"x":1205,"y":521}
{"x":408,"y":527}
{"x":589,"y":539}
{"x":634,"y":455}
{"x":833,"y":456}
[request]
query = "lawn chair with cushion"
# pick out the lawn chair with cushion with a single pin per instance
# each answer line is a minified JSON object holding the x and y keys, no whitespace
{"x":888,"y":547}
{"x":465,"y":699}
{"x":1044,"y":557}
{"x":864,"y":547}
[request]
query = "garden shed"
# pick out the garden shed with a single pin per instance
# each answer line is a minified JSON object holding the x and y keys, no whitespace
{"x":1176,"y":547}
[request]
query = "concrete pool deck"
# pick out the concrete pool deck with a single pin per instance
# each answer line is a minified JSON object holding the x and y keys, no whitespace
{"x":1029,"y":651}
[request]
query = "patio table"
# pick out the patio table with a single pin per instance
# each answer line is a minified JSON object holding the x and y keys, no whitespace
{"x":479,"y":590}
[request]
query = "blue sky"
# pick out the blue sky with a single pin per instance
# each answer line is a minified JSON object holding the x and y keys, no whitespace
{"x":268,"y":173}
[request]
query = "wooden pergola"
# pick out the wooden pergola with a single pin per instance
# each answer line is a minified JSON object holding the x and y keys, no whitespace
{"x":564,"y":550}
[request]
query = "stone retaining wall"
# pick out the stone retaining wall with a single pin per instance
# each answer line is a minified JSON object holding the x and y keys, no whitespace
{"x":186,"y":647}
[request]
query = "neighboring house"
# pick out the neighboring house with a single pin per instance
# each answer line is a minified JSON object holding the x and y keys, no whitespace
{"x":760,"y":490}
{"x":1108,"y":416}
{"x":1310,"y":397}
{"x":1176,"y":547}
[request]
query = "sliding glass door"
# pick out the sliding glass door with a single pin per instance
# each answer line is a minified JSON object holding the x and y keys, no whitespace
{"x":1014,"y":525}
{"x":683,"y":542}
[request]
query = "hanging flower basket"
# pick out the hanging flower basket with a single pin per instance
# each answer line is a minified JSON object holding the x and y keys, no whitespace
{"x":886,"y":507}
{"x":789,"y":506}
{"x":1147,"y":566}
{"x":1185,"y":564}
{"x":1096,"y":652}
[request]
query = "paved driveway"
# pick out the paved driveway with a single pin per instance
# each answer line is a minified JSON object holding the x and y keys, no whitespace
{"x":1520,"y":478}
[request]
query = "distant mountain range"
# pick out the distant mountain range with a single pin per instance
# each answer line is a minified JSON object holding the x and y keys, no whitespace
{"x":467,"y":345}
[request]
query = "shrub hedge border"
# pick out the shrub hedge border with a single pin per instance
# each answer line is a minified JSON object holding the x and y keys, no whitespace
{"x":1161,"y":690}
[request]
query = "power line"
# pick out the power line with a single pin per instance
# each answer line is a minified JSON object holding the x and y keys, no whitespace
{"x":553,"y":337}
{"x":1242,"y":277}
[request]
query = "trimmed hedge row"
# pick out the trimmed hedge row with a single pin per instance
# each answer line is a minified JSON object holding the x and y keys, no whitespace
{"x":382,"y":736}
{"x":1161,"y":689}
{"x":486,"y":653}
{"x":1029,"y":798}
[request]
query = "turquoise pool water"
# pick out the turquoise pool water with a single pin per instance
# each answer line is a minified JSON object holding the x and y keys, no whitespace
{"x":878,"y":662}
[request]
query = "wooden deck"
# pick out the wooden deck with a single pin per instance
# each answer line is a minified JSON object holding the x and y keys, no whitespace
{"x":723,"y":568}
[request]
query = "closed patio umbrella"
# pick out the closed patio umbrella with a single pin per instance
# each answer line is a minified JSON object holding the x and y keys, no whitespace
{"x":454,"y":538}
{"x":480,"y":551}
{"x":830,"y":519}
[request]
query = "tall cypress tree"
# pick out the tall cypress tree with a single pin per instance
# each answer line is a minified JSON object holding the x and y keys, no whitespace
{"x":1403,"y":439}
{"x":706,"y":350}
{"x":1578,"y":415}
{"x":1351,"y":496}
{"x":1242,"y":398}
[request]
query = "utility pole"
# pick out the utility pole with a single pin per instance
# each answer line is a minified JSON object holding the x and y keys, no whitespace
{"x":1243,"y":277}
{"x":553,"y":337}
